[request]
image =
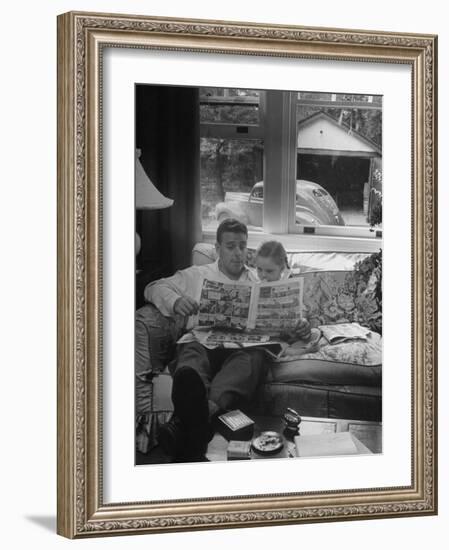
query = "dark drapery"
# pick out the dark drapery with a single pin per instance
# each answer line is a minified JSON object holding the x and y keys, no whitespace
{"x":167,"y":132}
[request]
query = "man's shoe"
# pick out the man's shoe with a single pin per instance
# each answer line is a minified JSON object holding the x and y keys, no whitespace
{"x":184,"y":444}
{"x":189,"y":398}
{"x":172,"y":437}
{"x":195,"y":447}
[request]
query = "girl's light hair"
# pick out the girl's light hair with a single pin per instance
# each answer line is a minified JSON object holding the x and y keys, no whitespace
{"x":274,"y":250}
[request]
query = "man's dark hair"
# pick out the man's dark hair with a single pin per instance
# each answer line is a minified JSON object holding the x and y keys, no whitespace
{"x":230,"y":225}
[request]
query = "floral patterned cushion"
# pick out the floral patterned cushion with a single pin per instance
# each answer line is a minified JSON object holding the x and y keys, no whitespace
{"x":339,"y":297}
{"x":355,"y":362}
{"x":357,"y":352}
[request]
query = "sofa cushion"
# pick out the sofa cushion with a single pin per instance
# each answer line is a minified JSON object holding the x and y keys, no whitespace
{"x":303,"y":262}
{"x":356,"y":362}
{"x":361,"y":352}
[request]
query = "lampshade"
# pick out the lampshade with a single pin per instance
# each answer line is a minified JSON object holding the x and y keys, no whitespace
{"x":147,"y":196}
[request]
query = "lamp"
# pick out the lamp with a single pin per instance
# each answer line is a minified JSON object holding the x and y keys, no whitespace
{"x":147,"y":196}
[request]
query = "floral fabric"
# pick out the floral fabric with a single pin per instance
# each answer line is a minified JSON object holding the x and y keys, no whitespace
{"x":356,"y":352}
{"x":340,"y":297}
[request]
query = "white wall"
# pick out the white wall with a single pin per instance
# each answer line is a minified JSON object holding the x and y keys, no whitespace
{"x":28,"y":271}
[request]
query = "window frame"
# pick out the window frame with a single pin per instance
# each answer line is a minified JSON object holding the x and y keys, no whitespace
{"x":278,"y":129}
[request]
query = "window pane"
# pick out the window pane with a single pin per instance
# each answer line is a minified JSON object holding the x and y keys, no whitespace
{"x":339,"y":160}
{"x":229,"y":170}
{"x":229,"y":105}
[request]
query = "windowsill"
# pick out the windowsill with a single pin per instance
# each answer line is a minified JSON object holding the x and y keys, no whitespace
{"x":310,"y":243}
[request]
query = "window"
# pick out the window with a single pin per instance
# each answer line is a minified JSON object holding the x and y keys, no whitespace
{"x":292,"y":162}
{"x":339,"y":147}
{"x":231,"y":151}
{"x":230,"y":170}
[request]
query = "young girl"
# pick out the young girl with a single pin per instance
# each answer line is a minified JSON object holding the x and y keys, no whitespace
{"x":271,"y":262}
{"x":272,"y":265}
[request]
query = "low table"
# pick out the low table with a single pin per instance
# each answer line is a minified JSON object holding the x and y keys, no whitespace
{"x":367,"y":436}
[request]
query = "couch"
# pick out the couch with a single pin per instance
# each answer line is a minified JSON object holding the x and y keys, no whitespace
{"x":341,"y":380}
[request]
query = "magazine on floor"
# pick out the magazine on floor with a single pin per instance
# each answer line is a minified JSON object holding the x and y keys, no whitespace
{"x":344,"y":332}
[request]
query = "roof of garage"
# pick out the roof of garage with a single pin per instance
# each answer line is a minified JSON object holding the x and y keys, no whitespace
{"x":322,"y":134}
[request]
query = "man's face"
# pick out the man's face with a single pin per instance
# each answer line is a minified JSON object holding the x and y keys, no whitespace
{"x":232,"y":253}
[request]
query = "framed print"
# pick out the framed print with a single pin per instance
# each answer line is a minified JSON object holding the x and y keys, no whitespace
{"x":246,"y":274}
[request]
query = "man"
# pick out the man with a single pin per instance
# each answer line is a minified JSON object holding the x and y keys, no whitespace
{"x":206,"y":382}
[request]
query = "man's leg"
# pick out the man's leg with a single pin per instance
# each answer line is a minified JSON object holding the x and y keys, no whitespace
{"x":236,"y":383}
{"x":191,"y":382}
{"x":195,"y":356}
{"x":188,"y":432}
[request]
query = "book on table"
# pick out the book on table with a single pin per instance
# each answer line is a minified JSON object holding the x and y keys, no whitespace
{"x":326,"y":444}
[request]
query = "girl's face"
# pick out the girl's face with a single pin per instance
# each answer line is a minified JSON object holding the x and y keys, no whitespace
{"x":267,"y":269}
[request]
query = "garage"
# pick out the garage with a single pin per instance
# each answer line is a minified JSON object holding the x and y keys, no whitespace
{"x":341,"y":160}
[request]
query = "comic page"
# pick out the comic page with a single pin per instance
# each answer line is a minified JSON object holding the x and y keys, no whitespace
{"x":224,"y":305}
{"x":252,"y":308}
{"x":278,"y":306}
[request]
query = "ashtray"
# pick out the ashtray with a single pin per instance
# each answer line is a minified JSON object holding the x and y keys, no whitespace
{"x":268,"y":443}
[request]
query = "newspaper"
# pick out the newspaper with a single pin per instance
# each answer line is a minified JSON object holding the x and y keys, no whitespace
{"x":252,"y":309}
{"x":218,"y":338}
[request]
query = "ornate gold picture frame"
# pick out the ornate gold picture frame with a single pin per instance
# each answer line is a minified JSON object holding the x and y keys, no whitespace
{"x":83,"y":510}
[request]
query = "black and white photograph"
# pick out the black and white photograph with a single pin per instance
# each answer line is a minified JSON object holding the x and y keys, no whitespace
{"x":258,"y":274}
{"x":246,"y":274}
{"x":284,"y":157}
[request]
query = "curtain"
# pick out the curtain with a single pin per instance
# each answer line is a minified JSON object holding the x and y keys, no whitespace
{"x":167,"y":132}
